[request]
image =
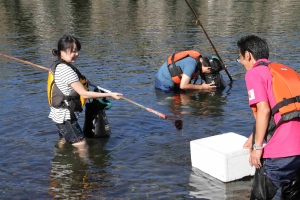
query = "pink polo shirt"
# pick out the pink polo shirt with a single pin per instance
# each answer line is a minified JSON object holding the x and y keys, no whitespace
{"x":286,"y":139}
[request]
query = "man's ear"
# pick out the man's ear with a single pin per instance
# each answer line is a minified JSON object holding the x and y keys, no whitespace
{"x":248,"y":56}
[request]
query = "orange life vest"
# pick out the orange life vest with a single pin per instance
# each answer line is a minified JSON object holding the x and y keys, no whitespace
{"x":175,"y":71}
{"x":286,"y":90}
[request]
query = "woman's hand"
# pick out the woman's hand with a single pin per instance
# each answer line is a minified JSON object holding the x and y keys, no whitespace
{"x":116,"y":95}
{"x":78,"y":87}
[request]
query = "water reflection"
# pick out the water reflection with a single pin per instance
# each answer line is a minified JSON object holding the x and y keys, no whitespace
{"x":229,"y":191}
{"x":196,"y":103}
{"x":74,"y":175}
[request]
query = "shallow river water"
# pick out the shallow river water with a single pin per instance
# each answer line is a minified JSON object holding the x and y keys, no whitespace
{"x":123,"y":45}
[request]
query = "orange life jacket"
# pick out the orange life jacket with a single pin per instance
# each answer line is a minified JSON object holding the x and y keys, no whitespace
{"x":286,"y":90}
{"x":175,"y":71}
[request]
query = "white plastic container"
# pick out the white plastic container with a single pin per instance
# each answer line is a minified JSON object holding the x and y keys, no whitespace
{"x":222,"y":156}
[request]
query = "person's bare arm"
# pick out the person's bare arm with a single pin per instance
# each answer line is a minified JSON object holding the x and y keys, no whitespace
{"x":262,"y":120}
{"x":78,"y":87}
{"x":185,"y":84}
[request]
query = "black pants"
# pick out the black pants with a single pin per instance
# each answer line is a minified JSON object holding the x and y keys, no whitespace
{"x":71,"y":131}
{"x":287,"y":171}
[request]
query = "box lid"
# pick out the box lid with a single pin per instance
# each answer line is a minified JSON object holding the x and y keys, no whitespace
{"x":224,"y":143}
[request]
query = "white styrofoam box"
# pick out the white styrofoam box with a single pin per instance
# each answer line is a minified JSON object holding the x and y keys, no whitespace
{"x":222,"y":156}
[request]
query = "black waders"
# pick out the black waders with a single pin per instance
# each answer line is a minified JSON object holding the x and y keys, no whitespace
{"x":96,"y":124}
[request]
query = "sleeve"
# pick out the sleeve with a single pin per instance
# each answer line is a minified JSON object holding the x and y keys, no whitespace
{"x":189,"y":67}
{"x":256,"y":87}
{"x":68,"y":75}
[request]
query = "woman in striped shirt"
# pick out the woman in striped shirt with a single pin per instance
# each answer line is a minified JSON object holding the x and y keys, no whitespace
{"x":67,"y":81}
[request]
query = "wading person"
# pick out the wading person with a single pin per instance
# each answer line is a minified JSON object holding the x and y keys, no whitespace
{"x":278,"y":162}
{"x":181,"y":68}
{"x":68,"y":94}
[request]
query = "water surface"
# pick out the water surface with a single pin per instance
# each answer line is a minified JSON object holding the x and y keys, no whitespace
{"x":123,"y":45}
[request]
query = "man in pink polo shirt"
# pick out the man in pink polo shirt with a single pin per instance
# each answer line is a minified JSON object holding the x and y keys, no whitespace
{"x":278,"y":162}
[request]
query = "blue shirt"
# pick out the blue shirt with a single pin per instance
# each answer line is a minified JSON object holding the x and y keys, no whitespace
{"x":163,"y":77}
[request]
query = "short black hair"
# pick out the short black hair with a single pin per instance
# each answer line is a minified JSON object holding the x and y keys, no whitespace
{"x":255,"y":45}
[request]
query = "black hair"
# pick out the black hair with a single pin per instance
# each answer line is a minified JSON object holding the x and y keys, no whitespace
{"x":205,"y":61}
{"x":255,"y":45}
{"x":199,"y":65}
{"x":64,"y":43}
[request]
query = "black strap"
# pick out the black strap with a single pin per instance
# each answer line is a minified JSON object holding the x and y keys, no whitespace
{"x":72,"y":105}
{"x":175,"y":70}
{"x":77,"y":71}
{"x":175,"y":67}
{"x":285,"y":102}
{"x":172,"y":59}
{"x":263,"y":63}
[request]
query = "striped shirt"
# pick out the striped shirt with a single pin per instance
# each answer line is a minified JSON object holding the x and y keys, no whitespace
{"x":64,"y":75}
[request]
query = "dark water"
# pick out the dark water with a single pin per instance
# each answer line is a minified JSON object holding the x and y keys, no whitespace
{"x":123,"y":45}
